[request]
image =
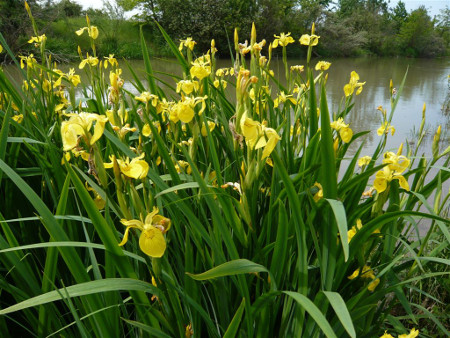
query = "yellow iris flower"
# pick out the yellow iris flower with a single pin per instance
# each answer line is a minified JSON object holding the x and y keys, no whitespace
{"x":201,"y":67}
{"x":72,"y":77}
{"x":111,"y":60}
{"x":187,"y":86}
{"x":283,"y":40}
{"x":37,"y":40}
{"x":184,"y":109}
{"x":396,"y":165}
{"x":323,"y":65}
{"x":383,"y":177}
{"x":137,"y":168}
{"x":79,"y":125}
{"x":259,"y":136}
{"x":345,"y":132}
{"x":92,"y":31}
{"x":146,"y":97}
{"x":153,"y":228}
{"x":283,"y":98}
{"x":188,"y":43}
{"x":366,"y":272}
{"x":309,"y":40}
{"x":386,"y":335}
{"x":385,"y":128}
{"x":363,"y":161}
{"x":30,"y":60}
{"x":412,"y":334}
{"x":318,"y":195}
{"x":350,"y":87}
{"x":352,"y":232}
{"x":211,"y":127}
{"x":91,"y":60}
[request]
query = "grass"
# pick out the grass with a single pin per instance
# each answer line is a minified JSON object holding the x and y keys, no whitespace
{"x":254,"y":233}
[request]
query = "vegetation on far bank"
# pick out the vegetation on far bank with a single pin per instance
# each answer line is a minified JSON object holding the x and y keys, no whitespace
{"x":348,"y":27}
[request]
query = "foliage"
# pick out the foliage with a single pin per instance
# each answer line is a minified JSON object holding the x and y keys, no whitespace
{"x":417,"y":36}
{"x":339,"y":36}
{"x":182,"y":212}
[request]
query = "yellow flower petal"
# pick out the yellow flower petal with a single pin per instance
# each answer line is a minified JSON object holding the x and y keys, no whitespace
{"x":402,"y":181}
{"x":373,"y":284}
{"x":152,"y":242}
{"x":346,"y":134}
{"x":125,"y":237}
{"x":380,"y":182}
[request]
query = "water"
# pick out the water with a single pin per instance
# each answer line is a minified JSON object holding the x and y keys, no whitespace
{"x":427,"y":82}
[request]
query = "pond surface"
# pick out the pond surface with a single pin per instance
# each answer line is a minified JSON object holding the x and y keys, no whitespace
{"x":427,"y":82}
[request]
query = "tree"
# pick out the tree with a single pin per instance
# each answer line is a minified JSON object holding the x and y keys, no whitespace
{"x":399,"y":15}
{"x":417,"y":36}
{"x":14,"y":20}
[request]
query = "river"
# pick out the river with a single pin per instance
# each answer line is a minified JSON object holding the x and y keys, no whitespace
{"x":427,"y":82}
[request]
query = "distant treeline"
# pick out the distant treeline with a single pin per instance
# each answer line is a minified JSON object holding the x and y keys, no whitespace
{"x":346,"y":27}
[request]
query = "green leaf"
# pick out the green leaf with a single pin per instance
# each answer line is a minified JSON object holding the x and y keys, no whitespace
{"x":181,"y":60}
{"x":153,"y":332}
{"x":341,"y":310}
{"x":4,"y":138}
{"x":148,"y":65}
{"x":231,"y":268}
{"x":232,"y":329}
{"x":189,"y":185}
{"x":313,"y":311}
{"x":329,"y":178}
{"x":341,"y":220}
{"x":70,"y":244}
{"x":24,"y":140}
{"x":83,"y":289}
